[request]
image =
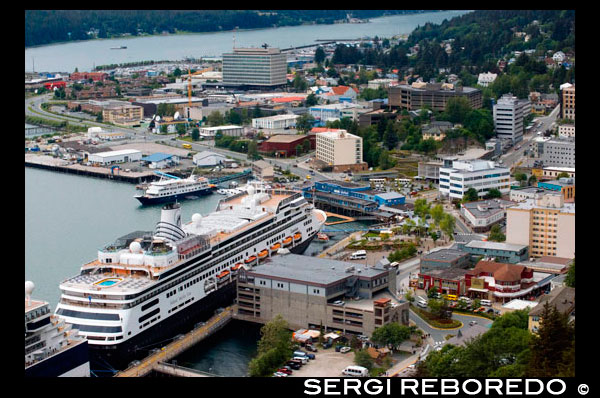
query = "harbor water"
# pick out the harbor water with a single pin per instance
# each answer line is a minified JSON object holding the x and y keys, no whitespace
{"x":69,"y":217}
{"x":84,"y":55}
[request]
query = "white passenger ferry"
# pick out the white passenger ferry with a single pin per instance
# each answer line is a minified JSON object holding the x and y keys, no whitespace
{"x":146,"y":287}
{"x":173,"y":188}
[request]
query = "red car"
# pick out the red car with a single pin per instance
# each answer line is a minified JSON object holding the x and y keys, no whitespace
{"x":285,"y":370}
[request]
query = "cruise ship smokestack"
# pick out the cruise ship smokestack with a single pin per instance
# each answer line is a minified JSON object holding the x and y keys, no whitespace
{"x":169,"y":226}
{"x":171,"y":214}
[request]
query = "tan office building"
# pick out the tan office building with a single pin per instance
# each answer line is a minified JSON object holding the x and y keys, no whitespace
{"x":433,"y":95}
{"x":568,"y":103}
{"x":123,"y":114}
{"x":545,"y":223}
{"x":339,"y":148}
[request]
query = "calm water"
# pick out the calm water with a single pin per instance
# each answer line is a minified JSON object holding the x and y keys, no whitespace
{"x":84,"y":55}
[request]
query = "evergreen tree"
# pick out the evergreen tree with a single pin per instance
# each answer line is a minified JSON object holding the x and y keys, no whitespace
{"x":390,"y":137}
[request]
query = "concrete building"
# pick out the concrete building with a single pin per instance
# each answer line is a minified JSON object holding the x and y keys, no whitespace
{"x":566,"y":130}
{"x":518,"y":194}
{"x":376,"y":83}
{"x":509,"y":113}
{"x":552,"y":173}
{"x":230,"y":130}
{"x":456,"y":177}
{"x":566,"y":186}
{"x":324,"y":113}
{"x":110,"y":157}
{"x":339,"y":148}
{"x":568,"y":101}
{"x":320,"y":292}
{"x":485,"y":79}
{"x":559,"y":153}
{"x":546,"y":224}
{"x":436,"y":130}
{"x":562,"y":298}
{"x":536,"y":146}
{"x":275,"y":122}
{"x":443,"y":259}
{"x":481,"y":215}
{"x":266,"y":67}
{"x":433,"y":95}
{"x":126,"y":114}
{"x":429,"y":170}
{"x":263,"y":170}
{"x":503,"y":252}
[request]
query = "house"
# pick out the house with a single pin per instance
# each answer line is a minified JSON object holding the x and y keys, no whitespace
{"x":208,"y":159}
{"x":161,"y":160}
{"x":562,"y":298}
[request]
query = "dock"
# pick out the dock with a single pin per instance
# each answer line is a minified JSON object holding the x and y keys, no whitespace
{"x":180,"y":371}
{"x":157,"y":360}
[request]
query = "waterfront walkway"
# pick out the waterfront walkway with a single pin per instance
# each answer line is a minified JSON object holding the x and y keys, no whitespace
{"x":142,"y":368}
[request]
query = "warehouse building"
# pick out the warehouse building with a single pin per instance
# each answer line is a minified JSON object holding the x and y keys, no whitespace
{"x":110,"y":157}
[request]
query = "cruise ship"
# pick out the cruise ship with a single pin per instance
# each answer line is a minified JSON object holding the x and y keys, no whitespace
{"x":172,"y":189}
{"x":146,"y":287}
{"x":52,"y":347}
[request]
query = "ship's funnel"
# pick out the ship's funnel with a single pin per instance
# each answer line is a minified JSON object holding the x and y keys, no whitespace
{"x":169,"y":226}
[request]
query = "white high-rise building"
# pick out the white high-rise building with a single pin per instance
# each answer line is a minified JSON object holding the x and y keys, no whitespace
{"x":508,"y":117}
{"x":456,"y":177}
{"x":339,"y":148}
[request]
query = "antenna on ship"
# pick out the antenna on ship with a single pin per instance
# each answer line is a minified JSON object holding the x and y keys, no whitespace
{"x":28,"y":290}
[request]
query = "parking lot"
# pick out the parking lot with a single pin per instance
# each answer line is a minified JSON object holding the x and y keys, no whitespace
{"x":327,"y":363}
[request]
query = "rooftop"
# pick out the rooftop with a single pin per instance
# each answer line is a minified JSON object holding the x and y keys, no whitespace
{"x":563,"y":298}
{"x":318,"y":271}
{"x":518,"y":304}
{"x":286,"y":138}
{"x":495,"y":245}
{"x":444,"y":255}
{"x":448,"y":273}
{"x":157,"y":157}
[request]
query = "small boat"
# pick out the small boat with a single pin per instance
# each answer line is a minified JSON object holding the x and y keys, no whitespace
{"x":276,"y":246}
{"x":236,"y":267}
{"x":119,"y":48}
{"x":287,"y":241}
{"x":223,"y":274}
{"x":250,"y":260}
{"x":297,"y":236}
{"x":322,"y":237}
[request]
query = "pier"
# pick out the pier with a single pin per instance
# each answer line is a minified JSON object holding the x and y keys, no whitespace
{"x":180,"y":371}
{"x":157,"y":360}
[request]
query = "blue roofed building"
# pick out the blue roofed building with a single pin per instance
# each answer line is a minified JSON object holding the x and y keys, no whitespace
{"x":161,"y":160}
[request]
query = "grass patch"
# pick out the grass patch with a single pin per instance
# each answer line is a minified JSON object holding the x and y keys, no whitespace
{"x":434,"y":321}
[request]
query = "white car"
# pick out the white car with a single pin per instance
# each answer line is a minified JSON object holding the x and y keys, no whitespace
{"x":344,"y":350}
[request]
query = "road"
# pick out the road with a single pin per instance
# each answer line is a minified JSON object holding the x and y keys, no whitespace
{"x":513,"y":156}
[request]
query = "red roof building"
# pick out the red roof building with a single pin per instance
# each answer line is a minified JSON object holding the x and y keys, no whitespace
{"x":502,"y":282}
{"x":95,"y":76}
{"x":284,"y":145}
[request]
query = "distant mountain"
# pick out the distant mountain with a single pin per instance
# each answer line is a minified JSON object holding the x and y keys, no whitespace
{"x":51,"y":26}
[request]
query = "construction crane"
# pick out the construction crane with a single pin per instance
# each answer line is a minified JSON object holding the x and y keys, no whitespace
{"x":189,"y":91}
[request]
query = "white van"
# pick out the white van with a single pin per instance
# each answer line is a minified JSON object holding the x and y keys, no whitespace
{"x":359,"y":255}
{"x":422,"y":303}
{"x":304,"y":360}
{"x":356,"y":371}
{"x":487,"y":303}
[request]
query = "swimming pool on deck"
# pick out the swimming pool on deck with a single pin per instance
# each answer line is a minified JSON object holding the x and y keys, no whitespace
{"x":108,"y":282}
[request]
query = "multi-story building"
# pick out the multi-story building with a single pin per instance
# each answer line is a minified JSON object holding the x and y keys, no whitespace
{"x":123,"y":114}
{"x":324,"y":113}
{"x":340,"y":149}
{"x":546,"y":224}
{"x":501,"y":282}
{"x":559,"y":153}
{"x":255,"y":67}
{"x":566,"y":186}
{"x":509,"y":113}
{"x":275,"y":122}
{"x":285,"y":145}
{"x":318,"y":293}
{"x":429,"y":170}
{"x":568,"y":102}
{"x":456,"y":177}
{"x":481,"y":215}
{"x":445,"y":280}
{"x":566,"y":130}
{"x":536,"y":146}
{"x":433,"y":95}
{"x":552,"y":173}
{"x":263,"y":170}
{"x":230,"y":130}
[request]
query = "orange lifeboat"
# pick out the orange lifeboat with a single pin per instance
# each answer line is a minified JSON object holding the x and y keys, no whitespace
{"x":223,"y":274}
{"x":287,"y":241}
{"x":250,"y":260}
{"x":276,"y":246}
{"x":297,"y":236}
{"x":263,"y":254}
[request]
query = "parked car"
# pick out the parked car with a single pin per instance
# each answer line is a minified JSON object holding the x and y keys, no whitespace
{"x":344,"y":350}
{"x":480,"y":309}
{"x":326,"y":345}
{"x":285,"y":370}
{"x":310,"y":347}
{"x":473,"y":323}
{"x":294,"y":365}
{"x":280,"y":374}
{"x":311,"y":356}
